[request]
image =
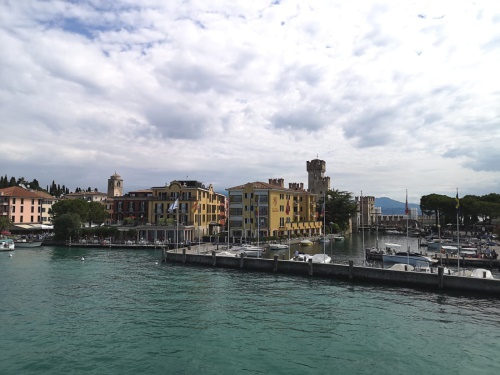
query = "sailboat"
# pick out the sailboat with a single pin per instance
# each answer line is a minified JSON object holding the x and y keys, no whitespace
{"x":392,"y":255}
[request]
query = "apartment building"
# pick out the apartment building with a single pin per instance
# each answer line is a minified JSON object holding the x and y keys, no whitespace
{"x":259,"y":209}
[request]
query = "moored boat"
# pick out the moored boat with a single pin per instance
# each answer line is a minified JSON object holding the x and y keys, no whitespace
{"x":404,"y":257}
{"x":24,"y":243}
{"x":306,"y":243}
{"x":6,"y":244}
{"x":278,"y":246}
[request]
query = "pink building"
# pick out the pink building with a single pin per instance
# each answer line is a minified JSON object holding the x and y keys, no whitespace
{"x":20,"y":205}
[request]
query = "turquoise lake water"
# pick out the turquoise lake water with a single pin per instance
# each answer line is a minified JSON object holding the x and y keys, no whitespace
{"x":118,"y":312}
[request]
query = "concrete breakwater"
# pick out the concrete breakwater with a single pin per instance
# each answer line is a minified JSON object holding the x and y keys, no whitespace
{"x":436,"y":281}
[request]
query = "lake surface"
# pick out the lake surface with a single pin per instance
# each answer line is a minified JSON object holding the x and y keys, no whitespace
{"x":118,"y":312}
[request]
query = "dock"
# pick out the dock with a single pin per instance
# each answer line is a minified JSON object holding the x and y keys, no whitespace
{"x":437,"y":281}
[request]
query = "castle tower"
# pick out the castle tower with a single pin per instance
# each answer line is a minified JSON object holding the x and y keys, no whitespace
{"x":317,"y":182}
{"x":115,"y":186}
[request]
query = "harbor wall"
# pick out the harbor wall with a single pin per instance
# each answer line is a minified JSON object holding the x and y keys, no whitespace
{"x":436,"y":281}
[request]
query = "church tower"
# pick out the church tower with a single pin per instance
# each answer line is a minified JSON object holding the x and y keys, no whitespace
{"x":317,"y":182}
{"x":115,"y":186}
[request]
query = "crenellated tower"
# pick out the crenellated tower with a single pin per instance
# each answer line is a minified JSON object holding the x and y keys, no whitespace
{"x":318,"y":183}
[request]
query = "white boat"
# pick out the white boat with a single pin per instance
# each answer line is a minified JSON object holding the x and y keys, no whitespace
{"x":278,"y":246}
{"x":481,"y":273}
{"x":7,"y":244}
{"x":401,"y":267}
{"x":393,"y":256}
{"x":321,"y":258}
{"x":25,"y":243}
{"x":316,"y":258}
{"x":324,"y":239}
{"x":339,"y":238}
{"x":306,"y":243}
{"x":249,"y":250}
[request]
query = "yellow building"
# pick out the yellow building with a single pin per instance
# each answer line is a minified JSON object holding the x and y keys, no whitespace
{"x":259,"y":209}
{"x":190,"y":203}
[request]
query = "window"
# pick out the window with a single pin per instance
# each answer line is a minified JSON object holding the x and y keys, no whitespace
{"x":32,"y":201}
{"x":22,"y":200}
{"x":13,"y":210}
{"x":282,"y":221}
{"x":31,"y":218}
{"x":32,"y":209}
{"x":22,"y":209}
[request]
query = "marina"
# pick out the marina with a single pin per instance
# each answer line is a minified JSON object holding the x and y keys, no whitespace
{"x":119,"y":312}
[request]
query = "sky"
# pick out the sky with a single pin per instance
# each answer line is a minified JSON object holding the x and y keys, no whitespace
{"x":393,"y":95}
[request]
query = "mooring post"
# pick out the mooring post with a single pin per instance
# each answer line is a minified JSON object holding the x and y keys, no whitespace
{"x":310,"y":267}
{"x":184,"y":255}
{"x":440,"y":277}
{"x":447,"y":260}
{"x":242,"y":259}
{"x":351,"y":266}
{"x":275,"y":264}
{"x":214,"y":261}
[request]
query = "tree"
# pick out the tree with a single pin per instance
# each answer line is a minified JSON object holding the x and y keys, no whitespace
{"x":74,"y":206}
{"x":96,"y":213}
{"x":5,"y":223}
{"x":66,"y":226}
{"x":339,"y":208}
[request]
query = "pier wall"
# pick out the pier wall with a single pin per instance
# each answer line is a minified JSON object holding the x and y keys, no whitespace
{"x":338,"y":271}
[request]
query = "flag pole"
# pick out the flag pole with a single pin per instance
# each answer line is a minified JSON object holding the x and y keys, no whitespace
{"x":458,"y":233}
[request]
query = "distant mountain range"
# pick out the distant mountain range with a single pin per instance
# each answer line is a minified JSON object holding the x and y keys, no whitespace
{"x":391,"y":207}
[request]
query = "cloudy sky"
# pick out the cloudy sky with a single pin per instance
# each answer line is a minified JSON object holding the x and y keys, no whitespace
{"x":392,"y":94}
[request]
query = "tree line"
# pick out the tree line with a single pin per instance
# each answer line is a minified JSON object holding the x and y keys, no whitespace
{"x":471,"y":209}
{"x":56,"y":190}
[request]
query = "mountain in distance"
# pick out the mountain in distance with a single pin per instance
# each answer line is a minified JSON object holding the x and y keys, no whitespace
{"x":391,"y":207}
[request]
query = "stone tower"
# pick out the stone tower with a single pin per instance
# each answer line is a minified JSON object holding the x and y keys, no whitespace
{"x":317,"y":182}
{"x":115,"y":186}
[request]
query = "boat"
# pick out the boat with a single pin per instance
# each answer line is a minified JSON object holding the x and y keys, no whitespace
{"x":481,"y":273}
{"x":316,"y":258}
{"x":27,"y":243}
{"x":339,"y":238}
{"x":306,"y":243}
{"x":393,"y":256}
{"x":401,"y":267}
{"x":249,"y":250}
{"x":278,"y":246}
{"x":324,"y":240}
{"x":7,"y":244}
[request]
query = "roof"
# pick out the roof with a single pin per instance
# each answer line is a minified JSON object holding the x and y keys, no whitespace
{"x":19,"y":192}
{"x":265,"y":186}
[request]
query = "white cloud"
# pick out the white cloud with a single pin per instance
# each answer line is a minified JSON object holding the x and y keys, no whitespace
{"x":392,"y":95}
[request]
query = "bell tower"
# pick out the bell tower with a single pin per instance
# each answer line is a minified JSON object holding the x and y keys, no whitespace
{"x":115,"y":186}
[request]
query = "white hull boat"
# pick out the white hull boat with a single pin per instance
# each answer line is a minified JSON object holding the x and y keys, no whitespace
{"x":306,"y":243}
{"x":28,"y":244}
{"x":7,"y":244}
{"x":278,"y":246}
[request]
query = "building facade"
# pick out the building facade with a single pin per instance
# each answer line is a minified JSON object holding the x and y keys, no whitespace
{"x":189,"y":203}
{"x":24,"y":206}
{"x":259,"y":209}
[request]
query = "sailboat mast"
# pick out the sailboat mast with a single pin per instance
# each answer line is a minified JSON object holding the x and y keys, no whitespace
{"x":324,"y":225}
{"x":407,"y":212}
{"x":361,"y":221}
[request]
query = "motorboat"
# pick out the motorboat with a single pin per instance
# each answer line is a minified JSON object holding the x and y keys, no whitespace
{"x":7,"y":244}
{"x":324,"y":240}
{"x":27,"y":243}
{"x":392,"y":255}
{"x":316,"y":258}
{"x":481,"y":273}
{"x":249,"y":250}
{"x":278,"y":246}
{"x":339,"y":238}
{"x":306,"y":243}
{"x":401,"y":267}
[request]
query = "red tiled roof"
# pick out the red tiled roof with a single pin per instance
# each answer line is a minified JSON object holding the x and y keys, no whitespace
{"x":17,"y":191}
